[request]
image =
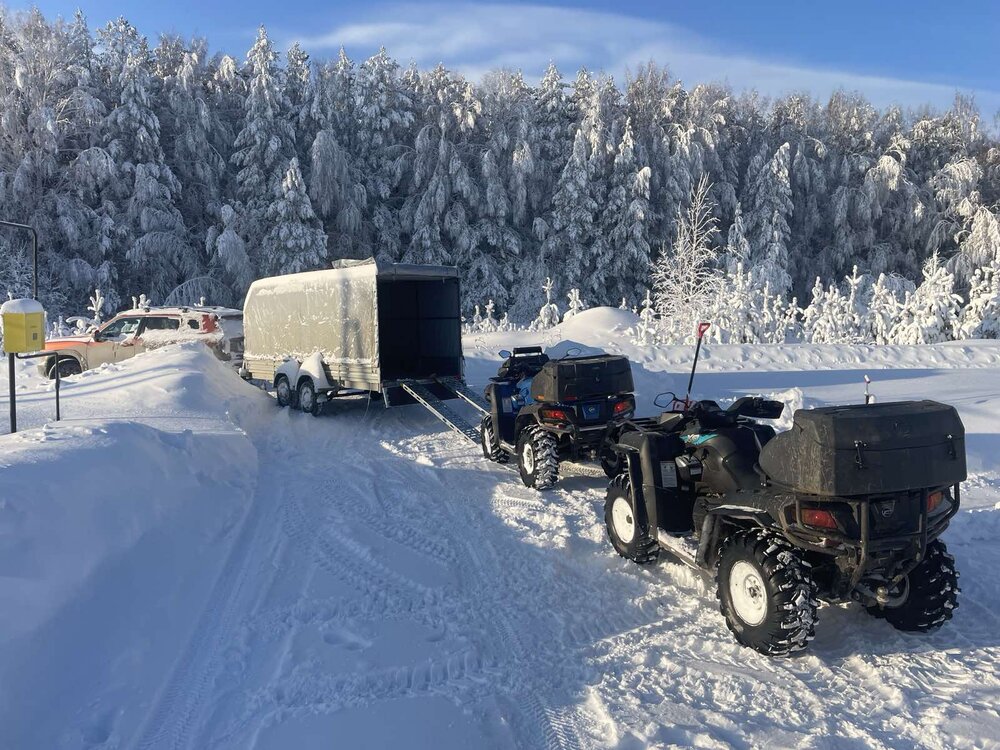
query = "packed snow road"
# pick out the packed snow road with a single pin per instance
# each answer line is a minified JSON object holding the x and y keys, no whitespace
{"x":260,"y":578}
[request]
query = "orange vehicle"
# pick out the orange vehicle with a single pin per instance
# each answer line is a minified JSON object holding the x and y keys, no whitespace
{"x":134,"y":331}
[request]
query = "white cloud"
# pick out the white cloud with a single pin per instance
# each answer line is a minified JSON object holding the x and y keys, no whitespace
{"x":478,"y":38}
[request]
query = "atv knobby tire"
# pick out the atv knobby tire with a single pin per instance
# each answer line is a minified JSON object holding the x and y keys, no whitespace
{"x":766,"y":592}
{"x":490,"y":445}
{"x":627,"y":536}
{"x":537,"y":458}
{"x":611,"y":462}
{"x":932,"y":594}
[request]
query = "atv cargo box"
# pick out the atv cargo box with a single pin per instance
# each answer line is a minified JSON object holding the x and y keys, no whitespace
{"x":845,"y":451}
{"x":581,"y":378}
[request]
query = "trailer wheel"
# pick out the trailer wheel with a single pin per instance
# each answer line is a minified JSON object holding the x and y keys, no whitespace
{"x":491,"y":447}
{"x":766,"y":593}
{"x":932,"y":596}
{"x":283,"y":391}
{"x":537,"y":458}
{"x":627,"y":537}
{"x":308,"y":402}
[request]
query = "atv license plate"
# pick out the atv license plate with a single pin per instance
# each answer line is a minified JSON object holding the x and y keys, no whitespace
{"x":591,"y":411}
{"x":668,"y":474}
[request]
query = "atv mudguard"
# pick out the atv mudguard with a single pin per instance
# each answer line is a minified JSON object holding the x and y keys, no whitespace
{"x":659,"y":500}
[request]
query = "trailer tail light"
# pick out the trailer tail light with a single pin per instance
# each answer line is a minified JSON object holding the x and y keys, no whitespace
{"x":934,"y":500}
{"x":553,"y":415}
{"x":818,"y":518}
{"x":623,"y":407}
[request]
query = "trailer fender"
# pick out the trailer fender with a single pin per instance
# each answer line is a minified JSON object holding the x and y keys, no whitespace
{"x":290,"y":369}
{"x":312,"y":367}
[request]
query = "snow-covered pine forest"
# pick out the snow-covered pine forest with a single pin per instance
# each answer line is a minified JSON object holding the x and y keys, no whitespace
{"x":169,"y":170}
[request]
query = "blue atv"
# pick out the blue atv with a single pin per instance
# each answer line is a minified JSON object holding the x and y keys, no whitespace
{"x":545,"y":411}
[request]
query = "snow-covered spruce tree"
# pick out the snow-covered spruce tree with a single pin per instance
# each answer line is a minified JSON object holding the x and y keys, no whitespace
{"x":768,"y":223}
{"x":883,"y":310}
{"x":227,"y":252}
{"x":571,"y":224}
{"x":734,"y":312}
{"x":438,"y":215}
{"x":295,"y":241}
{"x":384,"y":114}
{"x":264,"y":145}
{"x":159,"y":252}
{"x":548,"y":315}
{"x":830,"y":322}
{"x":980,"y":318}
{"x":193,"y":147}
{"x":737,"y":250}
{"x":685,"y":281}
{"x":553,"y":132}
{"x":621,"y":252}
{"x":979,"y":246}
{"x":930,"y":314}
{"x":494,"y":245}
{"x":647,"y":330}
{"x":337,"y":192}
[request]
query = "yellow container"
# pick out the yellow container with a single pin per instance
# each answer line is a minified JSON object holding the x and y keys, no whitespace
{"x":23,"y":326}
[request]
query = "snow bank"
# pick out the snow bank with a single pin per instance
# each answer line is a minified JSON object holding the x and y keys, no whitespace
{"x":77,"y":497}
{"x":113,"y":526}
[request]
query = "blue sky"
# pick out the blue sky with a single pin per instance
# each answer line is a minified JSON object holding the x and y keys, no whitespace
{"x":905,"y":52}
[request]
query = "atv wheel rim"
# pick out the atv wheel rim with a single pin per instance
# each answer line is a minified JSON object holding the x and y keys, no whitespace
{"x":528,"y":458}
{"x":623,"y":520}
{"x":283,"y":391}
{"x":748,"y":593}
{"x":306,"y":399}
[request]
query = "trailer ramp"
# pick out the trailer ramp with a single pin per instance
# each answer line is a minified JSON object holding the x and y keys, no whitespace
{"x":469,"y":396}
{"x":440,"y":409}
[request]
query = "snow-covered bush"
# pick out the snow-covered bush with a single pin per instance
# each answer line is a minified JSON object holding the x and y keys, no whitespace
{"x":930,"y":314}
{"x":685,"y":279}
{"x":647,"y":329}
{"x":576,"y":305}
{"x":980,"y":319}
{"x":548,"y":315}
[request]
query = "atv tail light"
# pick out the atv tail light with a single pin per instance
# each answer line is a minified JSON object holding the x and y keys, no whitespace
{"x":934,"y":500}
{"x":554,"y":415}
{"x":821,"y":519}
{"x":623,"y":406}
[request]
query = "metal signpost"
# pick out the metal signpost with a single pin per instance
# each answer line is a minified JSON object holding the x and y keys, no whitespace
{"x":24,"y":321}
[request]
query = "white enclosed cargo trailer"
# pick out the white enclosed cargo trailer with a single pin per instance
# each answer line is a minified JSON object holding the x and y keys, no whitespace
{"x":388,"y":329}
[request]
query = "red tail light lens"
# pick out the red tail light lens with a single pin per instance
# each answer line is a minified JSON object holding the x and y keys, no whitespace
{"x":623,"y":406}
{"x":934,"y":500}
{"x":554,"y":415}
{"x":821,"y":519}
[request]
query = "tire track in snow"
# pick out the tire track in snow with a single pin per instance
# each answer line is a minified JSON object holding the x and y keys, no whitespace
{"x":168,"y":724}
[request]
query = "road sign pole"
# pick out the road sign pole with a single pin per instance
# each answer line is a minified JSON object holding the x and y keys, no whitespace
{"x":13,"y":394}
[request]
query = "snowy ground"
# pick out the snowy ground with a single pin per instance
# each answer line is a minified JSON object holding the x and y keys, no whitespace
{"x":184,"y":565}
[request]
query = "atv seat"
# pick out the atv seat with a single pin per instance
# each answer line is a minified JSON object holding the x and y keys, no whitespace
{"x":670,"y":420}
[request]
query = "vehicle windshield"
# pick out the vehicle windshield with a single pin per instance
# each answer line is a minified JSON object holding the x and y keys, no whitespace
{"x":120,"y":329}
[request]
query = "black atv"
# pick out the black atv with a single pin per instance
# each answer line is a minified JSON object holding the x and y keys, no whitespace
{"x":848,"y":505}
{"x":546,"y":411}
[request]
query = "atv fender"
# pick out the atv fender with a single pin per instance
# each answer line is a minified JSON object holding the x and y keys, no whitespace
{"x":714,"y":522}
